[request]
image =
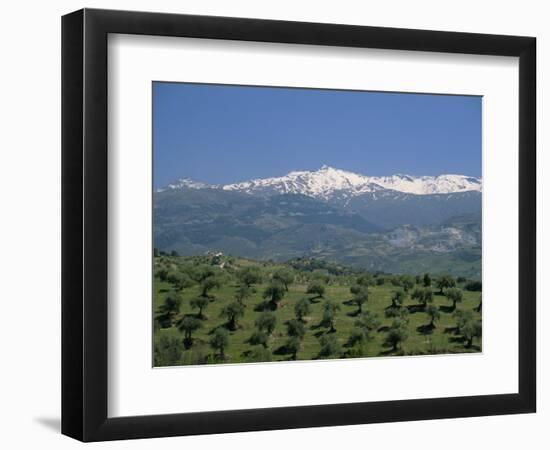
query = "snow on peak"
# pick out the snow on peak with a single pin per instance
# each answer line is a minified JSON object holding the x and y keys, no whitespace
{"x":187,"y":183}
{"x":328,"y":182}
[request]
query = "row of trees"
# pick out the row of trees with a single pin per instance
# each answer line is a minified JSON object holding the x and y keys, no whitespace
{"x":208,"y":278}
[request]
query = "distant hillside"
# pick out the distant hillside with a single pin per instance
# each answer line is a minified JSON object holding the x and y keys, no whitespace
{"x":331,"y":215}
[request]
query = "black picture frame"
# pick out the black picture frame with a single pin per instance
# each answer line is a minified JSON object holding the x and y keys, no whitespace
{"x":84,"y":224}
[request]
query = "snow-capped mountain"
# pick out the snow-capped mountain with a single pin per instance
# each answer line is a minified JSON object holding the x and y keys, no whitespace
{"x":186,"y":183}
{"x":328,"y":182}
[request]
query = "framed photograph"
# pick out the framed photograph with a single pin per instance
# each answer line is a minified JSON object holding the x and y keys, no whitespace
{"x":273,"y":224}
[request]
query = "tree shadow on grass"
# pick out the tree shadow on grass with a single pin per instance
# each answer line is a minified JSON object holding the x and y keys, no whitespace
{"x":383,"y":329}
{"x":353,"y":313}
{"x":426,"y":329}
{"x":457,"y":340}
{"x":450,"y":330}
{"x":265,"y":306}
{"x":282,"y":350}
{"x":447,"y":309}
{"x":416,"y":308}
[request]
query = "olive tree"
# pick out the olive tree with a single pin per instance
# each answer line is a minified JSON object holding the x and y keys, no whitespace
{"x":200,"y":303}
{"x":242,"y":293}
{"x":293,"y":345}
{"x":367,"y":323}
{"x":360,"y":297}
{"x":250,"y":275}
{"x":219,"y":341}
{"x":427,"y":280}
{"x":169,"y":309}
{"x":188,"y":325}
{"x":423,"y":295}
{"x":445,"y":282}
{"x":329,"y":314}
{"x":266,"y":321}
{"x":398,"y":298}
{"x":232,"y":312}
{"x":209,"y":283}
{"x":316,"y":289}
{"x":295,"y":328}
{"x":302,"y":308}
{"x":433,"y":314}
{"x":285,"y":277}
{"x":455,"y":295}
{"x":329,"y":346}
{"x":397,"y":334}
{"x":274,"y":293}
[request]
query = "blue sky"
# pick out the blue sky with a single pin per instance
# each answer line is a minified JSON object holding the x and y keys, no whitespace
{"x":223,"y":134}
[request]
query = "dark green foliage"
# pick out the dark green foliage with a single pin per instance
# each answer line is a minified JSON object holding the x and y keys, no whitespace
{"x":445,"y":282}
{"x":209,"y":283}
{"x":266,"y":321}
{"x":478,"y":307}
{"x":473,"y":286}
{"x":295,"y":328}
{"x":302,"y":308}
{"x":168,"y":311}
{"x":243,"y":292}
{"x":407,"y":282}
{"x":275,"y":293}
{"x":320,"y":276}
{"x":178,"y":279}
{"x":200,"y":303}
{"x":161,"y":273}
{"x":469,"y":326}
{"x":357,"y":336}
{"x":168,"y":351}
{"x":455,"y":295}
{"x":285,"y":277}
{"x":365,"y":280}
{"x":360,"y":297}
{"x":330,"y":309}
{"x":259,"y":354}
{"x":174,"y":253}
{"x":202,"y":272}
{"x":433,"y":314}
{"x":293,"y":345}
{"x":367,"y":323}
{"x":397,"y":298}
{"x":396,"y":312}
{"x":316,"y":289}
{"x":329,"y":346}
{"x":427,"y":280}
{"x":250,"y":275}
{"x":259,"y":338}
{"x":188,"y":325}
{"x":232,"y":312}
{"x":422,"y":295}
{"x":219,"y":341}
{"x":264,"y":332}
{"x":397,"y":334}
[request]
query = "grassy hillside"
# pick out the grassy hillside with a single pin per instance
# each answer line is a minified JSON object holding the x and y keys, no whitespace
{"x":180,"y":281}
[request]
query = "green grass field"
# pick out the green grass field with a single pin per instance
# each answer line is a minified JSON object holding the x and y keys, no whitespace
{"x":170,"y":348}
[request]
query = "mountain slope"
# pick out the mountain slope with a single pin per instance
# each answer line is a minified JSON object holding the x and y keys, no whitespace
{"x":395,"y":224}
{"x":328,"y":182}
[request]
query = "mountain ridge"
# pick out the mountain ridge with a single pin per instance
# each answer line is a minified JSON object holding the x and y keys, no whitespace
{"x":328,"y":183}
